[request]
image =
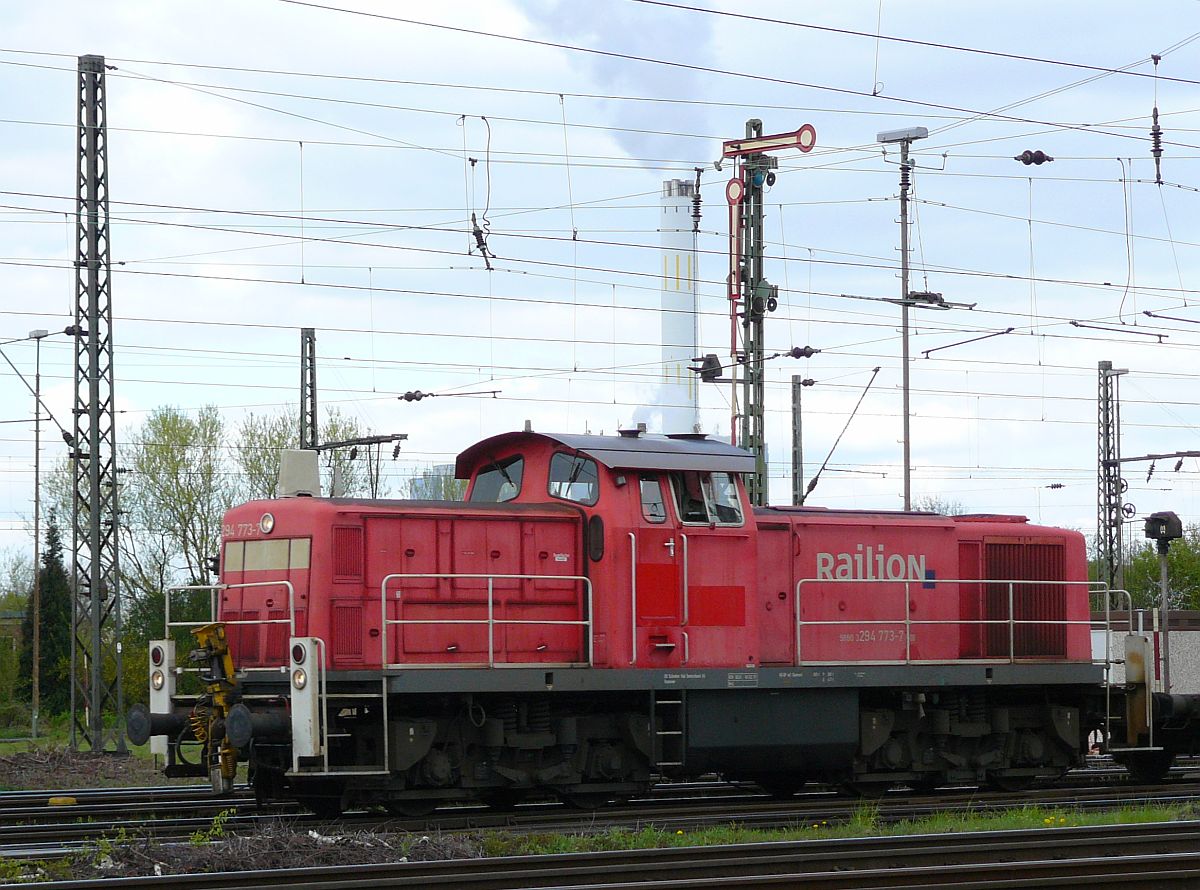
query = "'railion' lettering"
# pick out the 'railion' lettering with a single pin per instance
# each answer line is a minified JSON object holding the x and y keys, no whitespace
{"x":870,"y":562}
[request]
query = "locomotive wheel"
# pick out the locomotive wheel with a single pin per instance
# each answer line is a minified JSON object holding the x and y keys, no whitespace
{"x":1148,"y":767}
{"x":322,"y":807}
{"x":925,"y":784}
{"x":780,"y":787}
{"x":1011,"y":784}
{"x":868,"y":790}
{"x":503,"y":798}
{"x":412,"y":808}
{"x":326,"y":798}
{"x":587,"y":800}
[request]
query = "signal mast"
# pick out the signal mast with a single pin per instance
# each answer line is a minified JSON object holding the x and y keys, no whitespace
{"x":751,"y":296}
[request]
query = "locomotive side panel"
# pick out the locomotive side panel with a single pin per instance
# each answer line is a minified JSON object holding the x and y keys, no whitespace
{"x":775,"y":597}
{"x":477,"y":589}
{"x":869,"y":590}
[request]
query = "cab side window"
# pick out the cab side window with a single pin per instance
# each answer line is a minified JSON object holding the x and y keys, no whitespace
{"x":574,"y":477}
{"x":726,"y":504}
{"x":653,"y":506}
{"x":498,"y":482}
{"x":707,"y":498}
{"x":689,"y":496}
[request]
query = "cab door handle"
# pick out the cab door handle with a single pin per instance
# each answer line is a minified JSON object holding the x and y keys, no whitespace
{"x":670,"y":545}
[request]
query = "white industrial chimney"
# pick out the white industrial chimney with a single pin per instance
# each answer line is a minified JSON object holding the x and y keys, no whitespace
{"x":680,"y":390}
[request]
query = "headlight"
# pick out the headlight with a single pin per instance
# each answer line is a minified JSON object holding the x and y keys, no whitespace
{"x":157,"y":680}
{"x":266,"y":524}
{"x":298,"y":653}
{"x":299,"y":678}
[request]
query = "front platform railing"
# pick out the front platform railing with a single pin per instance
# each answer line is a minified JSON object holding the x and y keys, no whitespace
{"x":215,"y":590}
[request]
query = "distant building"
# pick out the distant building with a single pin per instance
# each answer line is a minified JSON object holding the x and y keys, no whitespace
{"x":435,"y":483}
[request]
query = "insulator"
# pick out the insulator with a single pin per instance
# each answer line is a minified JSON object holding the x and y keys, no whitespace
{"x":1028,"y":157}
{"x":1156,"y":147}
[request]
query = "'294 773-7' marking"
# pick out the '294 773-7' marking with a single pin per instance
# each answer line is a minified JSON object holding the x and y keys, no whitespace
{"x":240,"y":530}
{"x":873,"y":635}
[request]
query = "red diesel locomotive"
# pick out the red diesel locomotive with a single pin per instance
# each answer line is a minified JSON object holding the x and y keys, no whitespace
{"x":604,"y":611}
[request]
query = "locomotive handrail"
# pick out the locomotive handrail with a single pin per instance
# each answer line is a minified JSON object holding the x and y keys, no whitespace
{"x":323,"y":708}
{"x":633,"y":598}
{"x":290,"y":621}
{"x":491,"y":621}
{"x":683,"y":538}
{"x":1011,"y":621}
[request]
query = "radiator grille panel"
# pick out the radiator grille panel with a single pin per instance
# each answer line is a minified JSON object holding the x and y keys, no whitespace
{"x":348,"y":553}
{"x":1038,"y":603}
{"x":347,"y":632}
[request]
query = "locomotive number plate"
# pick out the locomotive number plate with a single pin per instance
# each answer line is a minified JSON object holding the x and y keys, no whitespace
{"x":742,"y":679}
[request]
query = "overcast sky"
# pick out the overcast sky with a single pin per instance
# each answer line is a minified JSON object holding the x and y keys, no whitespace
{"x":276,"y":166}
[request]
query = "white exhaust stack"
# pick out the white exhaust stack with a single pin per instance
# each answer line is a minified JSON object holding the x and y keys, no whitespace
{"x":680,"y":387}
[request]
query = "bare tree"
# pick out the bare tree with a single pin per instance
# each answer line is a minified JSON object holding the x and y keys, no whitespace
{"x":932,"y":503}
{"x":262,"y":437}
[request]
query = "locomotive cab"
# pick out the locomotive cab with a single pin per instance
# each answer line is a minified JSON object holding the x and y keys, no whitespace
{"x":668,"y":534}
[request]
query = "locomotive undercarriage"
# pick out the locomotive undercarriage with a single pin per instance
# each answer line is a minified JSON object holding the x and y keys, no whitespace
{"x":1005,"y":739}
{"x":495,"y":748}
{"x":594,"y":737}
{"x":591,"y":749}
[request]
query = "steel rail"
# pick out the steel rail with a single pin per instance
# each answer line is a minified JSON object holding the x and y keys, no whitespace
{"x":667,"y":812}
{"x":1162,"y":853}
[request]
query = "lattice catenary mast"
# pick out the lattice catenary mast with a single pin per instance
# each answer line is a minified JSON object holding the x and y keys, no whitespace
{"x":1109,"y":484}
{"x":96,"y":618}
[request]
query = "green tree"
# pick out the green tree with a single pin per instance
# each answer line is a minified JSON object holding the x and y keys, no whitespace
{"x":177,"y":488}
{"x":16,"y":579}
{"x":16,"y":582}
{"x":55,"y":623}
{"x":1183,"y":572}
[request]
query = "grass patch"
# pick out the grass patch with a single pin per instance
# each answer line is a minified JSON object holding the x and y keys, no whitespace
{"x":865,"y":822}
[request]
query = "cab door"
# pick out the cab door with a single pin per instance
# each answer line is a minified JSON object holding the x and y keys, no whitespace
{"x":716,"y":545}
{"x":658,"y":590}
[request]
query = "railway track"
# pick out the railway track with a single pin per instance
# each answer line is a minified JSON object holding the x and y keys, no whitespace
{"x":1117,"y":856}
{"x":55,"y":831}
